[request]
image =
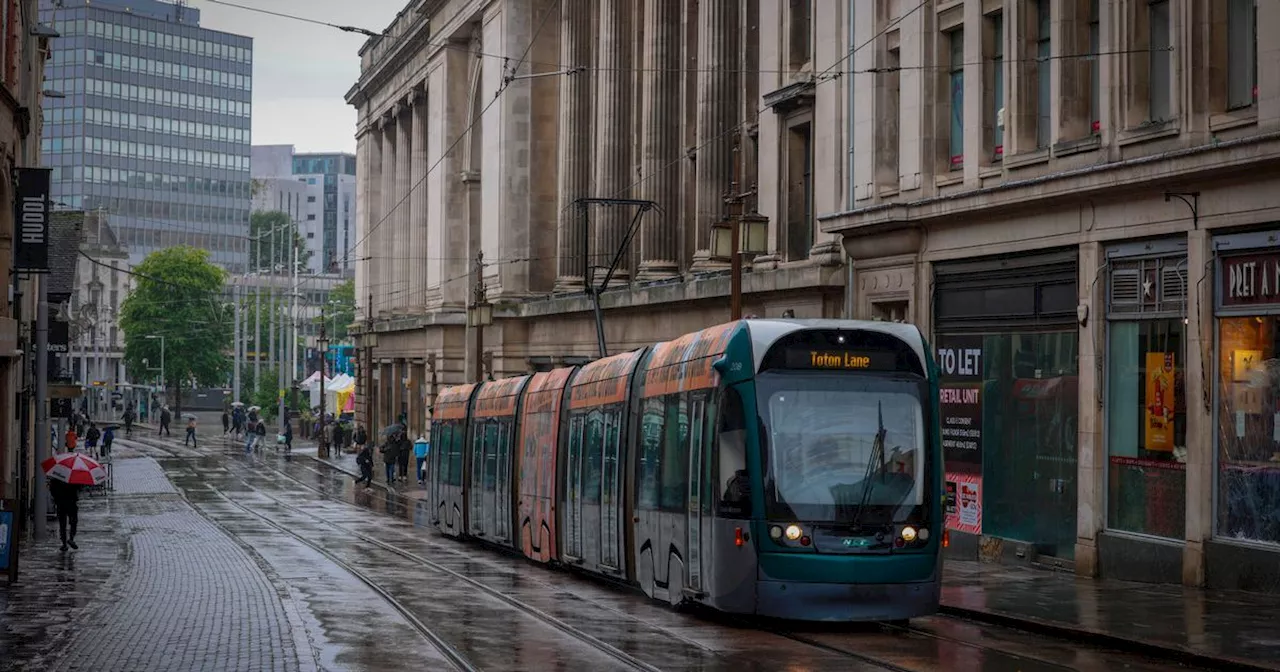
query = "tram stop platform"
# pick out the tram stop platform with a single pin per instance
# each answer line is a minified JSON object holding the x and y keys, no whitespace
{"x":1222,"y":630}
{"x":1207,"y":628}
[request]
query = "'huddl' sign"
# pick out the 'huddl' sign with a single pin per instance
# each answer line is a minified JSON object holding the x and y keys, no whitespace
{"x":32,"y":216}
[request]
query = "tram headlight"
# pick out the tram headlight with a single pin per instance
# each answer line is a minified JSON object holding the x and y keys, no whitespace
{"x":794,"y":532}
{"x":908,"y":534}
{"x":924,"y":534}
{"x":775,"y":532}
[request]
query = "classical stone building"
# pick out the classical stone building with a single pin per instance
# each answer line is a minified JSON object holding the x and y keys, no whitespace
{"x":482,"y":124}
{"x":1077,"y":201}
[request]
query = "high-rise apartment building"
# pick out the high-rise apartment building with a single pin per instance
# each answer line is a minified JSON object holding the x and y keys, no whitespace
{"x":154,"y":126}
{"x":337,"y":174}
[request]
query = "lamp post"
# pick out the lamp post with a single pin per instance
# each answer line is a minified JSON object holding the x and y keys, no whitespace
{"x":163,"y":384}
{"x":479,"y":316}
{"x":730,"y":239}
{"x":323,"y":341}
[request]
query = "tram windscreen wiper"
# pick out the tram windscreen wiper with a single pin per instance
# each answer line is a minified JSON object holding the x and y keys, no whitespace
{"x":877,"y":452}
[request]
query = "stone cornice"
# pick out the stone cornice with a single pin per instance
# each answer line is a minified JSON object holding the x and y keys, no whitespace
{"x":1180,"y":166}
{"x":385,"y":67}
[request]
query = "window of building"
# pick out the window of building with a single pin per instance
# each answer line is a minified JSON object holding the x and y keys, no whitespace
{"x":956,"y":82}
{"x":1242,"y":53}
{"x":889,"y":116}
{"x":800,"y":36}
{"x":994,"y":122}
{"x":799,"y":192}
{"x":1044,"y":52}
{"x":890,"y":311}
{"x":1160,"y":74}
{"x":311,"y":218}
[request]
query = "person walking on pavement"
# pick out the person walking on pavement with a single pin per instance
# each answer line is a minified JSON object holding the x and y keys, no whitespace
{"x":365,"y":461}
{"x":403,"y":453}
{"x":129,"y":416}
{"x":108,"y":436}
{"x":71,"y":438}
{"x":191,"y":433}
{"x":259,"y":435}
{"x":389,"y":449}
{"x":326,"y":438}
{"x":361,"y":437}
{"x":288,"y":436}
{"x":165,"y":418}
{"x":66,"y":498}
{"x":420,"y":448}
{"x":91,"y":439}
{"x":226,"y":422}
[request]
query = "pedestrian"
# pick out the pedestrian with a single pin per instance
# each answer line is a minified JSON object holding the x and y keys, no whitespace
{"x":259,"y":435}
{"x":361,"y":437}
{"x":403,"y":453}
{"x":226,"y":422}
{"x":389,"y":448}
{"x":288,"y":436}
{"x":250,"y":437}
{"x":165,"y":418}
{"x":71,"y":438}
{"x":420,"y":448}
{"x":66,"y":499}
{"x":91,"y":439}
{"x":326,"y":438}
{"x":365,"y":461}
{"x":129,"y":416}
{"x":108,"y":436}
{"x":191,"y":433}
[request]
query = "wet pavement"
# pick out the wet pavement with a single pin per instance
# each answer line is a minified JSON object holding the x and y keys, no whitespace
{"x":210,"y":559}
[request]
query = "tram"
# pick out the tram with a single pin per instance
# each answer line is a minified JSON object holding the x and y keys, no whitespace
{"x":778,"y":468}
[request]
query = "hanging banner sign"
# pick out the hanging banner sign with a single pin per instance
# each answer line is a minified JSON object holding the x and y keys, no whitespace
{"x":31,"y":215}
{"x":1158,"y":426}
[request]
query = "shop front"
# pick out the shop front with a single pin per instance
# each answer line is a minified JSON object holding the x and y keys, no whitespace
{"x":1246,"y":551}
{"x":1145,"y":411}
{"x":1007,"y":342}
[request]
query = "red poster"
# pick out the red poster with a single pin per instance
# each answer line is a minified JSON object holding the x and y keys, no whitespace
{"x":964,"y":503}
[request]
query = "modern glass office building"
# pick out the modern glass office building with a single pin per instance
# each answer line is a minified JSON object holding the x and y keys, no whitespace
{"x":337,"y":172}
{"x":153,"y":128}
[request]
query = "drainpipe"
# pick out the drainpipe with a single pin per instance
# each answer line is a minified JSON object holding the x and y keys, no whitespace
{"x":850,"y":288}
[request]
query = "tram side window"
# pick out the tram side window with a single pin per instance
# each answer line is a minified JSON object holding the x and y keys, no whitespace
{"x":734,"y":486}
{"x":675,"y":453}
{"x":651,"y":426}
{"x":455,"y":453}
{"x":491,"y":439}
{"x":592,"y":445}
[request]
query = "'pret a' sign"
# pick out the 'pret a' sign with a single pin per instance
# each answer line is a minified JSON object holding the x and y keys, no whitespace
{"x":1250,"y":279}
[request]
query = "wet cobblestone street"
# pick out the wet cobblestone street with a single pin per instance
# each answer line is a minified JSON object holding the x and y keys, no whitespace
{"x":213,"y":560}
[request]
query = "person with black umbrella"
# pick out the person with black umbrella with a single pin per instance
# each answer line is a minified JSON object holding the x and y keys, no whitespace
{"x":390,"y":448}
{"x":66,"y":498}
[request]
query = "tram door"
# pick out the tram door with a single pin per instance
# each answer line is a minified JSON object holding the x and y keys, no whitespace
{"x":698,"y":416}
{"x":611,"y":502}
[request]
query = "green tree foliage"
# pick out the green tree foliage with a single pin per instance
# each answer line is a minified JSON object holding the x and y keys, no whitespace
{"x":271,"y":231}
{"x":341,"y":311}
{"x":178,"y":294}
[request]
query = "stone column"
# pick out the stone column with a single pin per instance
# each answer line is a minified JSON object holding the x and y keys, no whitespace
{"x":577,"y":26}
{"x":613,"y":135}
{"x":660,"y":232}
{"x":417,"y":264}
{"x":717,"y":116}
{"x":382,"y":250}
{"x":364,"y":150}
{"x":401,"y":253}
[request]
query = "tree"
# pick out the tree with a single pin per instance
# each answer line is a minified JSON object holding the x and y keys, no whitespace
{"x":178,"y":295}
{"x":270,"y":232}
{"x":340,"y":312}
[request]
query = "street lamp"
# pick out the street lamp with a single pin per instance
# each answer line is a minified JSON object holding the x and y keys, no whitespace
{"x":479,"y":315}
{"x":733,"y":237}
{"x":163,"y":387}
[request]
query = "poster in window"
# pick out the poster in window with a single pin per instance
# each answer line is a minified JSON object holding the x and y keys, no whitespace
{"x":1158,"y":428}
{"x":966,"y":515}
{"x":960,"y":360}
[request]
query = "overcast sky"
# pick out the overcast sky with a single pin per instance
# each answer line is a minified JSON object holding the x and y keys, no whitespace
{"x":301,"y":71}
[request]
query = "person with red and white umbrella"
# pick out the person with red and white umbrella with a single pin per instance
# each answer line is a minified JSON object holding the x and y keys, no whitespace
{"x":68,"y":473}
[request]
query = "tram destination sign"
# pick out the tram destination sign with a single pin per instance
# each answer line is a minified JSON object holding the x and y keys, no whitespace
{"x":841,"y":360}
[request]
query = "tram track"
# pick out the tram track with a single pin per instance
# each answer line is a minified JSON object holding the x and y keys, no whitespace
{"x":820,"y":642}
{"x":539,"y":615}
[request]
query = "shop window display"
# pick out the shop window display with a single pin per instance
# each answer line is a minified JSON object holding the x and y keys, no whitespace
{"x":1248,"y":424}
{"x":1146,"y":428}
{"x":1009,"y":414}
